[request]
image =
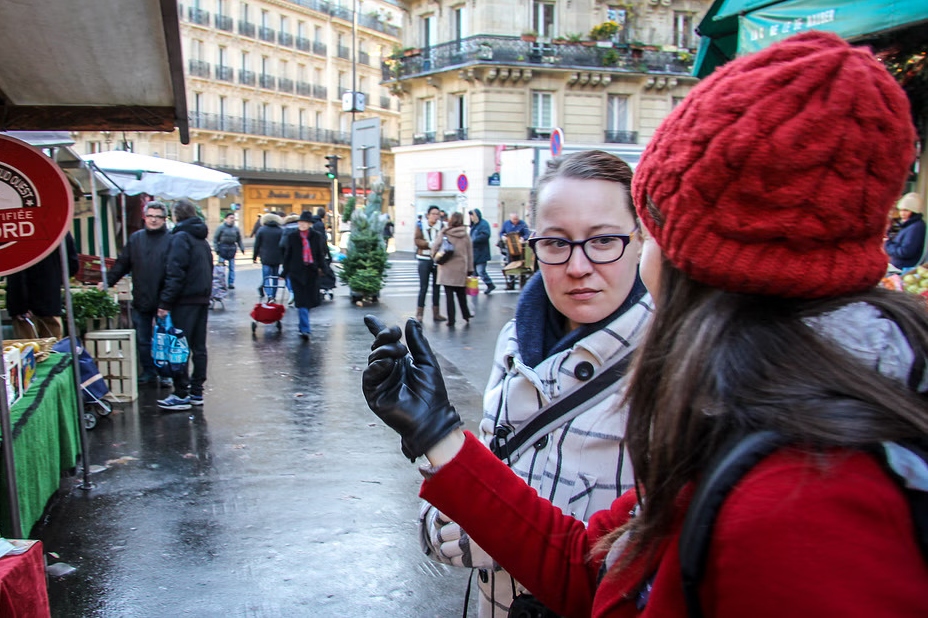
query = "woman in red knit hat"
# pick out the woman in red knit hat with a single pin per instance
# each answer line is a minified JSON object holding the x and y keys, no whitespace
{"x":768,"y":320}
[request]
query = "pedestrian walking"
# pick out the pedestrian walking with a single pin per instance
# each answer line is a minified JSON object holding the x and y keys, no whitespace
{"x":424,"y":236}
{"x":304,"y":261}
{"x":480,"y":239}
{"x":319,"y":223}
{"x":34,"y":294}
{"x":226,"y":241}
{"x":256,"y":226}
{"x":188,"y":284}
{"x":289,"y":227}
{"x":453,"y":273}
{"x":267,"y":249}
{"x":143,"y":258}
{"x":588,"y":311}
{"x":748,"y":345}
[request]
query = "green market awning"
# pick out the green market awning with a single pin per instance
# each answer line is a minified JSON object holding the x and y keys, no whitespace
{"x":737,"y":27}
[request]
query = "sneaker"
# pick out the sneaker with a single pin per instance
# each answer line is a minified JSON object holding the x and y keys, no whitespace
{"x":304,"y":336}
{"x":489,"y":289}
{"x":196,"y":400}
{"x":231,"y":287}
{"x":166,"y":382}
{"x":173,"y":402}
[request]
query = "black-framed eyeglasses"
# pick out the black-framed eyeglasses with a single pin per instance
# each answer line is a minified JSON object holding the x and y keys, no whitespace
{"x":156,"y":216}
{"x":599,"y":249}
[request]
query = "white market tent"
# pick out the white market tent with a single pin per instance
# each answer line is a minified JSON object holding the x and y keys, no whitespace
{"x":164,"y":178}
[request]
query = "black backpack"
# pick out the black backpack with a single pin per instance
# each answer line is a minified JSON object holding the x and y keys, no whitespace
{"x":728,"y":469}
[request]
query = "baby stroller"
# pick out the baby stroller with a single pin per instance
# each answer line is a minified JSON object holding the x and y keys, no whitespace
{"x":220,"y":286}
{"x":268,"y":310}
{"x":93,"y":386}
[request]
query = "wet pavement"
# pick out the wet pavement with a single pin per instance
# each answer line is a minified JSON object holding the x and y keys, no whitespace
{"x":283,"y":496}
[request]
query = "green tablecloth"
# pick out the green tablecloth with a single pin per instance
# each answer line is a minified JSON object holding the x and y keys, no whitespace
{"x":46,"y":440}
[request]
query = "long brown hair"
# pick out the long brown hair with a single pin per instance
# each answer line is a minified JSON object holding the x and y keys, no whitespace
{"x":715,"y":364}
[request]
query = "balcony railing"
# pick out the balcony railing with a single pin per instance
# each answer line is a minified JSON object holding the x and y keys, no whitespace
{"x":226,"y":74}
{"x":620,"y":137}
{"x":285,"y":85}
{"x":198,"y":16}
{"x":384,"y":102}
{"x":424,"y":138}
{"x":341,"y":12}
{"x":198,"y":68}
{"x":539,"y":132}
{"x":320,"y":92}
{"x":304,"y":44}
{"x":267,"y":81}
{"x":344,"y":52}
{"x":285,"y":38}
{"x":246,"y":29}
{"x":223,"y":22}
{"x":364,"y":58}
{"x":246,"y":78}
{"x":319,"y":48}
{"x":366,"y":21}
{"x":267,"y":34}
{"x":456,"y":134}
{"x":487,"y":49}
{"x":304,"y":89}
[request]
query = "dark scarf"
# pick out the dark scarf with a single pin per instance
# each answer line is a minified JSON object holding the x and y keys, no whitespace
{"x":535,"y":314}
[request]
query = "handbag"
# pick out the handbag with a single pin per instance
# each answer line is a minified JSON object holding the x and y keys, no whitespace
{"x":473,"y":286}
{"x":169,"y":345}
{"x":445,"y":251}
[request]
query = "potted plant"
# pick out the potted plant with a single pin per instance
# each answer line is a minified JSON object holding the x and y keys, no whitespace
{"x":604,"y":31}
{"x":574,"y":38}
{"x":365,"y":264}
{"x":93,"y":310}
{"x":559,"y":40}
{"x":411,"y":51}
{"x":610,"y":58}
{"x":529,"y":36}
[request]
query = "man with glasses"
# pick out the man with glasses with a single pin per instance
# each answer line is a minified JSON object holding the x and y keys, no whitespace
{"x":143,"y":258}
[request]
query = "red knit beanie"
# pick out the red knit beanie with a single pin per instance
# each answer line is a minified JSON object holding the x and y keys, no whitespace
{"x":776,"y":174}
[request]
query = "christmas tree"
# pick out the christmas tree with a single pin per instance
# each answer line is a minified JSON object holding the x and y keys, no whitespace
{"x":365,"y":265}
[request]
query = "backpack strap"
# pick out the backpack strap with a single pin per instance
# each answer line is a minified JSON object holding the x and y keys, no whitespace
{"x":727,"y":469}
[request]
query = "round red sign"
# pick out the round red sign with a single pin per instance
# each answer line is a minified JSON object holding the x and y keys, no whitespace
{"x":36,"y":205}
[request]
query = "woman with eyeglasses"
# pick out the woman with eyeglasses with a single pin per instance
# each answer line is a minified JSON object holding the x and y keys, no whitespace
{"x":587,"y":309}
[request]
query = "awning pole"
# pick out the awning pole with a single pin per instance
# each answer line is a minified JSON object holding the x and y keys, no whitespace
{"x":125,"y":223}
{"x":97,"y":224}
{"x":9,"y":465}
{"x":75,"y":364}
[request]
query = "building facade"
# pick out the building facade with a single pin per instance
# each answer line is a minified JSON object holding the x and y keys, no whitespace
{"x":265,"y":81}
{"x":480,"y":81}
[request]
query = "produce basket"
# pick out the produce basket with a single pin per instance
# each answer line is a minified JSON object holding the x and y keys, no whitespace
{"x":43,"y":347}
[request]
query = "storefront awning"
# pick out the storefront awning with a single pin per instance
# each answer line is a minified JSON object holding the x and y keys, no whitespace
{"x":737,"y":27}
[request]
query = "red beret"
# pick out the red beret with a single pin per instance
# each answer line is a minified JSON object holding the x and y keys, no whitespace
{"x":776,"y":174}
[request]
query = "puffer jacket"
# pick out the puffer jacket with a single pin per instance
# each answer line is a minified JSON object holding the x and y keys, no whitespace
{"x":582,"y":466}
{"x":143,"y":257}
{"x":454,"y":271}
{"x":188,"y":278}
{"x":480,"y":237}
{"x":227,"y":235}
{"x":905,"y":249}
{"x":267,"y":241}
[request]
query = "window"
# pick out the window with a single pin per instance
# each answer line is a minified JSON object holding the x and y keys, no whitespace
{"x":301,"y":118}
{"x":265,"y":19}
{"x":198,"y":153}
{"x":284,"y":24}
{"x":265,"y":65}
{"x":459,"y":23}
{"x":93,"y":147}
{"x":317,"y":77}
{"x":301,"y":29}
{"x":542,"y":110}
{"x":245,"y":115}
{"x":197,"y":103}
{"x":246,"y":61}
{"x":617,"y":112}
{"x":543,"y":19}
{"x":244,"y":12}
{"x":246,"y":156}
{"x":170,"y":149}
{"x":427,"y":31}
{"x":318,"y":120}
{"x":223,"y":156}
{"x":196,"y":49}
{"x":284,"y":69}
{"x":619,"y":16}
{"x":683,"y":34}
{"x":284,"y":115}
{"x":457,"y":110}
{"x":301,"y":73}
{"x":427,"y":115}
{"x":265,"y":159}
{"x":317,"y":34}
{"x":222,"y":107}
{"x":223,"y":56}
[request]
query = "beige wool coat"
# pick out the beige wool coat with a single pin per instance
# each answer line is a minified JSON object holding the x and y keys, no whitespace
{"x":454,"y":271}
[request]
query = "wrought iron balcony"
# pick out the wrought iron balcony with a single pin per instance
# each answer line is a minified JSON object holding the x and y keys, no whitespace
{"x":246,"y":78}
{"x":198,"y":16}
{"x":198,"y":68}
{"x":384,"y":102}
{"x":223,"y":22}
{"x":510,"y":50}
{"x":456,"y":134}
{"x":341,"y":12}
{"x":285,"y":38}
{"x":424,"y":138}
{"x":320,"y":92}
{"x":368,"y":21}
{"x":344,"y":52}
{"x":621,"y":137}
{"x":246,"y":28}
{"x":304,"y":44}
{"x":539,"y":132}
{"x":226,"y":74}
{"x":319,"y":49}
{"x":285,"y":85}
{"x":267,"y":81}
{"x":304,"y":88}
{"x":267,"y":34}
{"x":364,"y":58}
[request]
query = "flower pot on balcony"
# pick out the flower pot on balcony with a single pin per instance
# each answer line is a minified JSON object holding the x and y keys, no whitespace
{"x":412,"y":51}
{"x":529,"y":38}
{"x":588,"y":43}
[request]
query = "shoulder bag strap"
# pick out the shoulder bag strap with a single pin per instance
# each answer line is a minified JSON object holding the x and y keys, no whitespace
{"x":508,"y":444}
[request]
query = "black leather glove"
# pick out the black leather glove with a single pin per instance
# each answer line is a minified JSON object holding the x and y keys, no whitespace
{"x":405,"y":387}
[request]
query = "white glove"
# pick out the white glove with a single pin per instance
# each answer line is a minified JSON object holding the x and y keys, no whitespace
{"x":446,"y":542}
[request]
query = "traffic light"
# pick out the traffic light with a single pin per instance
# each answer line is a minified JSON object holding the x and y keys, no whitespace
{"x":332,"y":166}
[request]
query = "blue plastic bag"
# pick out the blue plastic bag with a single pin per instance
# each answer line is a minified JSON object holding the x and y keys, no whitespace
{"x":169,"y":345}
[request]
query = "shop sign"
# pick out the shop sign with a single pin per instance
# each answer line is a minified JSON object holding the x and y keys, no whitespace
{"x":36,"y":205}
{"x":433,"y":181}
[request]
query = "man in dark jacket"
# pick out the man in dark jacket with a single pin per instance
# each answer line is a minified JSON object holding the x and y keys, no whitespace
{"x":267,"y":248}
{"x":225,"y":241}
{"x":480,"y":238}
{"x":304,"y":259}
{"x":143,"y":258}
{"x":188,"y":283}
{"x":319,"y":223}
{"x":34,"y":294}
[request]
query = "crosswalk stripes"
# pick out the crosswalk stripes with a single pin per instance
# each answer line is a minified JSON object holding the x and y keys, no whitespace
{"x":403,"y":279}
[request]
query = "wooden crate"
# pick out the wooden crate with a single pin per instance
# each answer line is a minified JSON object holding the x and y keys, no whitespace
{"x":115,"y":354}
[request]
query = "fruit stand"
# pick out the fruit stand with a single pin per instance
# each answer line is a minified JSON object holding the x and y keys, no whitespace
{"x":911,"y":281}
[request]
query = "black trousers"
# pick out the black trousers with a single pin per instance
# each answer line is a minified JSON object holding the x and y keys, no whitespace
{"x":459,"y":291}
{"x":428,"y":269}
{"x":192,"y":320}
